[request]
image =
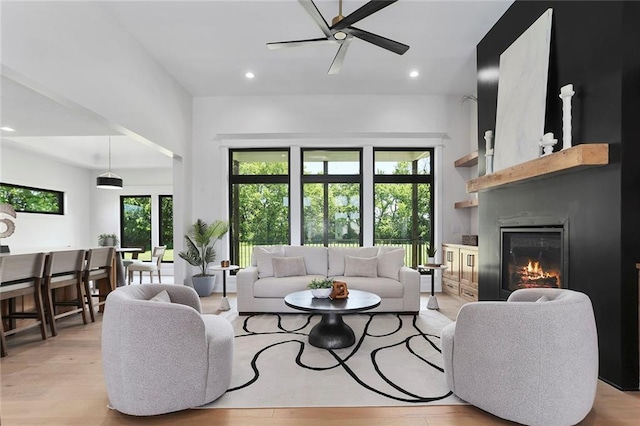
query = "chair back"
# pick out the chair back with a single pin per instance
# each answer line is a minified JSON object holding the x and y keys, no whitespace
{"x":21,"y":267}
{"x":99,"y":258}
{"x":157,"y":255}
{"x":65,"y":262}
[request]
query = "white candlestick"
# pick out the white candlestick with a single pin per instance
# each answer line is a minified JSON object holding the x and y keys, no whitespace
{"x":488,"y":136}
{"x":566,"y":92}
{"x":489,"y":162}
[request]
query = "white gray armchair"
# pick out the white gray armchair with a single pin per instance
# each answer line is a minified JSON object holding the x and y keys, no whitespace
{"x":533,"y":363}
{"x":160,"y":356}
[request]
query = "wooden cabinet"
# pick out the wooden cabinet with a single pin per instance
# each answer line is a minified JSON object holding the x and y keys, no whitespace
{"x":451,"y":275}
{"x":461,"y":277}
{"x":469,"y":273}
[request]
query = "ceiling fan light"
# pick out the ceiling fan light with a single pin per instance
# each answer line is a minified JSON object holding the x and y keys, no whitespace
{"x":339,"y":35}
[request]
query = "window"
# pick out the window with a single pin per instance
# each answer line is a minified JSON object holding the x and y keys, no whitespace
{"x":259,"y":200}
{"x":403,"y":201}
{"x":135,"y":223}
{"x":331,"y":197}
{"x":32,"y":200}
{"x":165,"y":221}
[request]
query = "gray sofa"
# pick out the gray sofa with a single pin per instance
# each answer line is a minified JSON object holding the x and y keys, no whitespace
{"x":159,"y":353}
{"x":279,"y":270}
{"x":532,"y":359}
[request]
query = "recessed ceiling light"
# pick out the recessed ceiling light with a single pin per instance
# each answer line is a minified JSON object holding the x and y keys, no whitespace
{"x":414,"y":74}
{"x":249,"y":75}
{"x":7,"y":129}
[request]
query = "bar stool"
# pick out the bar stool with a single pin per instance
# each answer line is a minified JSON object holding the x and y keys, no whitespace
{"x":64,"y":269}
{"x":99,"y":267}
{"x":21,"y":275}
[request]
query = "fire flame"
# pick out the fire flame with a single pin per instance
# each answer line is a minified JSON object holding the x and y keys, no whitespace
{"x":533,"y":275}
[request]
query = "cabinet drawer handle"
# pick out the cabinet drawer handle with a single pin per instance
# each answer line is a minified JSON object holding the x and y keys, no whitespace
{"x":449,"y":256}
{"x":468,"y":294}
{"x":470,"y":260}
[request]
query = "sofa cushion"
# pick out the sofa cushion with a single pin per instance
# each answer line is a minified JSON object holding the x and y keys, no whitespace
{"x":383,"y":287}
{"x":360,"y":266}
{"x":337,"y":254}
{"x":315,"y":258}
{"x":280,"y":287}
{"x":288,"y":266}
{"x":264,"y":256}
{"x":390,"y":262}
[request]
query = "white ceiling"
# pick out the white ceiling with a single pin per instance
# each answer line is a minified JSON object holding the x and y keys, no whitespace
{"x":208,"y":46}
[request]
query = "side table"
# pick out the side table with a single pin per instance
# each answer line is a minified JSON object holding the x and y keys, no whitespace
{"x":433,"y":301}
{"x":224,"y":303}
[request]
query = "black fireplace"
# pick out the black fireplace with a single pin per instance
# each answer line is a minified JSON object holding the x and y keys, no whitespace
{"x":533,"y":256}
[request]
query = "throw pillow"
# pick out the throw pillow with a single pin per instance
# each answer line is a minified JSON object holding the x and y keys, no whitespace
{"x":360,"y":266}
{"x":389,"y":264}
{"x":543,"y":298}
{"x":288,"y":267}
{"x":263,"y":256}
{"x":162,"y":297}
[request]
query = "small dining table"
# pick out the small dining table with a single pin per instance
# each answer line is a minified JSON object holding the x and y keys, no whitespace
{"x":121,"y":268}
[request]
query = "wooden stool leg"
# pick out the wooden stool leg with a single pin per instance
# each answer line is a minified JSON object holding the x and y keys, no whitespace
{"x":89,"y":301}
{"x":159,"y":277}
{"x":3,"y":340}
{"x":140,"y":277}
{"x":50,"y":309}
{"x":81,"y":299}
{"x":37,"y":295}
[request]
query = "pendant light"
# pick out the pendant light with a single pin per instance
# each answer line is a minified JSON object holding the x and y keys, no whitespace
{"x":109,"y":180}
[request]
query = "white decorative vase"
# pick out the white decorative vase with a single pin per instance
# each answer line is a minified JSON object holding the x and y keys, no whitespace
{"x":431,"y":260}
{"x":321,"y":293}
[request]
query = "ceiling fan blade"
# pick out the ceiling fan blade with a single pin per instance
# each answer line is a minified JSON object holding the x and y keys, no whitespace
{"x":339,"y":58}
{"x":369,"y":8}
{"x":313,"y":11}
{"x":298,"y":43}
{"x":385,"y":43}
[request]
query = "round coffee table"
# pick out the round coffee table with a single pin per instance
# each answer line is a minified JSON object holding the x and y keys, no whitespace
{"x":332,"y":332}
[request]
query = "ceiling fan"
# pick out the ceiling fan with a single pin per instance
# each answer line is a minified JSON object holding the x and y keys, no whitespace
{"x":342,"y":31}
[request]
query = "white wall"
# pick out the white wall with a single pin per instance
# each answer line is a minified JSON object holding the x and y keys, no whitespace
{"x":105,"y":203}
{"x":330,"y":121}
{"x":77,"y":52}
{"x":45,"y":231}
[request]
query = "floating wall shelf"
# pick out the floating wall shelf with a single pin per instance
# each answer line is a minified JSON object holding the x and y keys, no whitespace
{"x":468,"y":160}
{"x":466,"y":204}
{"x":573,"y":159}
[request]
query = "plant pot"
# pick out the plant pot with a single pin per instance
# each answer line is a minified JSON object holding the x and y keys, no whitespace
{"x":203,"y":285}
{"x":431,"y":260}
{"x":107,"y":242}
{"x":321,"y":293}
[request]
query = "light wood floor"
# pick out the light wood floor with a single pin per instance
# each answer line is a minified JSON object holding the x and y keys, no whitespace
{"x":59,"y":382}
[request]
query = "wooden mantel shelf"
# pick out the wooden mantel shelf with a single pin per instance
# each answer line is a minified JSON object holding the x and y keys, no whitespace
{"x":575,"y":158}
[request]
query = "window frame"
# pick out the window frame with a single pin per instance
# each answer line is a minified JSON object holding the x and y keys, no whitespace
{"x":59,"y":195}
{"x":414,"y":179}
{"x":325,"y":179}
{"x":161,"y":224}
{"x":122,"y":235}
{"x":235,"y":179}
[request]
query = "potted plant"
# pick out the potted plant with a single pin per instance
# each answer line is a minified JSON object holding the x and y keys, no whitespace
{"x":431,"y":254}
{"x":321,"y":287}
{"x":200,"y":240}
{"x":108,"y":240}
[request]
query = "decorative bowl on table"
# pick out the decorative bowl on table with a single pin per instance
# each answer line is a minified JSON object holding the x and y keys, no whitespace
{"x":321,"y":293}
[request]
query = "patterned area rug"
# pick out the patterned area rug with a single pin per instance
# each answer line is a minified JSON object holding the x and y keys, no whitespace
{"x":396,"y":360}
